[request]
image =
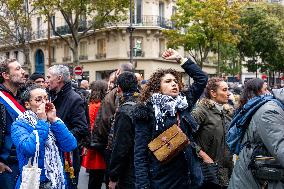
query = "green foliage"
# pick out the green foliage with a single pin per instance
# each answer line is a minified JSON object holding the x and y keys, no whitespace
{"x":262,"y":35}
{"x":201,"y":24}
{"x":230,"y":63}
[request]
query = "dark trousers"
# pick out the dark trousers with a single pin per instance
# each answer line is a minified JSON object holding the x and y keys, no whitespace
{"x":8,"y":180}
{"x":96,"y":178}
{"x":72,"y":183}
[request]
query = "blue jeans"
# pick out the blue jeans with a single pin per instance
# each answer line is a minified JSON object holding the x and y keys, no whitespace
{"x":8,"y":180}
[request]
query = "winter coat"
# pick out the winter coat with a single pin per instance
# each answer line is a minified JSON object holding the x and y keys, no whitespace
{"x":267,"y":127}
{"x":70,"y":109}
{"x":211,"y":135}
{"x":7,"y":148}
{"x":121,"y":166}
{"x":183,"y":171}
{"x":105,"y":117}
{"x":93,"y":159}
{"x":24,"y":139}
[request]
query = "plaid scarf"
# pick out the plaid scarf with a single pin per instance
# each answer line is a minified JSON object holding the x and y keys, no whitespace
{"x":164,"y":104}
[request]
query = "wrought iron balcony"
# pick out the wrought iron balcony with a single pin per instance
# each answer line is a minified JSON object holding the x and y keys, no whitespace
{"x":149,"y":20}
{"x":136,"y":53}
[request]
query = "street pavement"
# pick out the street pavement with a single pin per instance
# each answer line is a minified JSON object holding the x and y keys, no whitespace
{"x":84,"y":178}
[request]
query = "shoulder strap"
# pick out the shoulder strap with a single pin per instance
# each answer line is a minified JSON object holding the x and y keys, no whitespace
{"x":129,"y":103}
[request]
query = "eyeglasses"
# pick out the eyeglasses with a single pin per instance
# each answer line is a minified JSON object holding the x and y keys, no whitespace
{"x":40,"y":99}
{"x":39,"y":82}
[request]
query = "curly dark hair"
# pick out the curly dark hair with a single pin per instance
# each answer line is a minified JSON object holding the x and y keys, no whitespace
{"x":4,"y":67}
{"x":212,"y":84}
{"x":98,"y":90}
{"x":252,"y":88}
{"x":154,"y":83}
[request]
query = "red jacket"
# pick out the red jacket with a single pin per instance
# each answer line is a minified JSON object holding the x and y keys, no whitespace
{"x":93,"y":159}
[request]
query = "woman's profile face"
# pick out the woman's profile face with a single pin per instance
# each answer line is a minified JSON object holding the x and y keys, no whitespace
{"x":169,"y":85}
{"x":264,"y":89}
{"x":38,"y":96}
{"x":221,"y":95}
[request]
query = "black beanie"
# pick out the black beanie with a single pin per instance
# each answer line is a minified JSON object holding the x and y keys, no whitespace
{"x":35,"y":76}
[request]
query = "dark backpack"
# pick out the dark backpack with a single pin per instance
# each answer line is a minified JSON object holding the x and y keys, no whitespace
{"x":241,"y":121}
{"x":111,"y":132}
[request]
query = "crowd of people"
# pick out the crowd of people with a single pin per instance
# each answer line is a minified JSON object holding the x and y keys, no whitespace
{"x":127,"y":132}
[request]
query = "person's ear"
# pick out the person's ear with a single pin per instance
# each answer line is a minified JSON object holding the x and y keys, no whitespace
{"x":27,"y":105}
{"x":119,"y":90}
{"x":213,"y":94}
{"x":117,"y":73}
{"x":5,"y":75}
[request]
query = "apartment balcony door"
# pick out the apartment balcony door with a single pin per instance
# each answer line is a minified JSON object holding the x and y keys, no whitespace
{"x":39,"y":61}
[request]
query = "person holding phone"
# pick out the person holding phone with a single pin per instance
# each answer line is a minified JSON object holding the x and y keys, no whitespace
{"x":54,"y":138}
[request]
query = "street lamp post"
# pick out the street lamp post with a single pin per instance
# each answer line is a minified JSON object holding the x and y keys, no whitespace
{"x":130,"y":29}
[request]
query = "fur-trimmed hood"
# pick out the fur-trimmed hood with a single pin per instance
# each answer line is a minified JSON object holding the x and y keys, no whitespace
{"x":210,"y":105}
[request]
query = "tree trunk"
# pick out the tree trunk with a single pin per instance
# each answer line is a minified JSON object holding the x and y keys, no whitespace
{"x":76,"y":55}
{"x":26,"y":51}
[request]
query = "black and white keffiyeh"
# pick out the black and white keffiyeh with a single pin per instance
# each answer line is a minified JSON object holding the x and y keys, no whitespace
{"x":163,"y":104}
{"x":52,"y":161}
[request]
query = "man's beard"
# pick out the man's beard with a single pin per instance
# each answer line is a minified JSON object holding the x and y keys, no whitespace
{"x":16,"y":81}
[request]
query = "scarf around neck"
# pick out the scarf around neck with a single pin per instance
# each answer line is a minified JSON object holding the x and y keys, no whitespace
{"x":52,"y":161}
{"x":164,"y":104}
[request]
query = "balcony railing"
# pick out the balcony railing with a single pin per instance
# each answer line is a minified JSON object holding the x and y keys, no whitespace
{"x":144,"y":20}
{"x":149,"y":20}
{"x":136,"y":53}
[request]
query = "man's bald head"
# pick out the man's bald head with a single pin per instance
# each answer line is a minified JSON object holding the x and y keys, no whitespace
{"x":84,"y":84}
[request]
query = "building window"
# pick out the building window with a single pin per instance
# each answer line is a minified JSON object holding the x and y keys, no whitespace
{"x":162,"y":46}
{"x":137,"y":12}
{"x":138,"y":46}
{"x":67,"y":56}
{"x":53,"y":25}
{"x":16,"y":54}
{"x":83,"y":50}
{"x":39,"y":27}
{"x":161,"y":18}
{"x":7,"y":54}
{"x":101,"y":49}
{"x":53,"y":55}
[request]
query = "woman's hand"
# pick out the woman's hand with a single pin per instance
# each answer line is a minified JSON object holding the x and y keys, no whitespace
{"x":205,"y":157}
{"x":171,"y":54}
{"x":41,"y":114}
{"x":51,"y":112}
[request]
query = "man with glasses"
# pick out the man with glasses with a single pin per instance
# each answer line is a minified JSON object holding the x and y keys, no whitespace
{"x":12,"y":76}
{"x":38,"y":79}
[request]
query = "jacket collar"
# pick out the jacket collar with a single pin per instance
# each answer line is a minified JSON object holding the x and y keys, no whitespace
{"x":3,"y":88}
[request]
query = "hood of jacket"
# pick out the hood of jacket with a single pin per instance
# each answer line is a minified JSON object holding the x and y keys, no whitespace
{"x":279,"y":94}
